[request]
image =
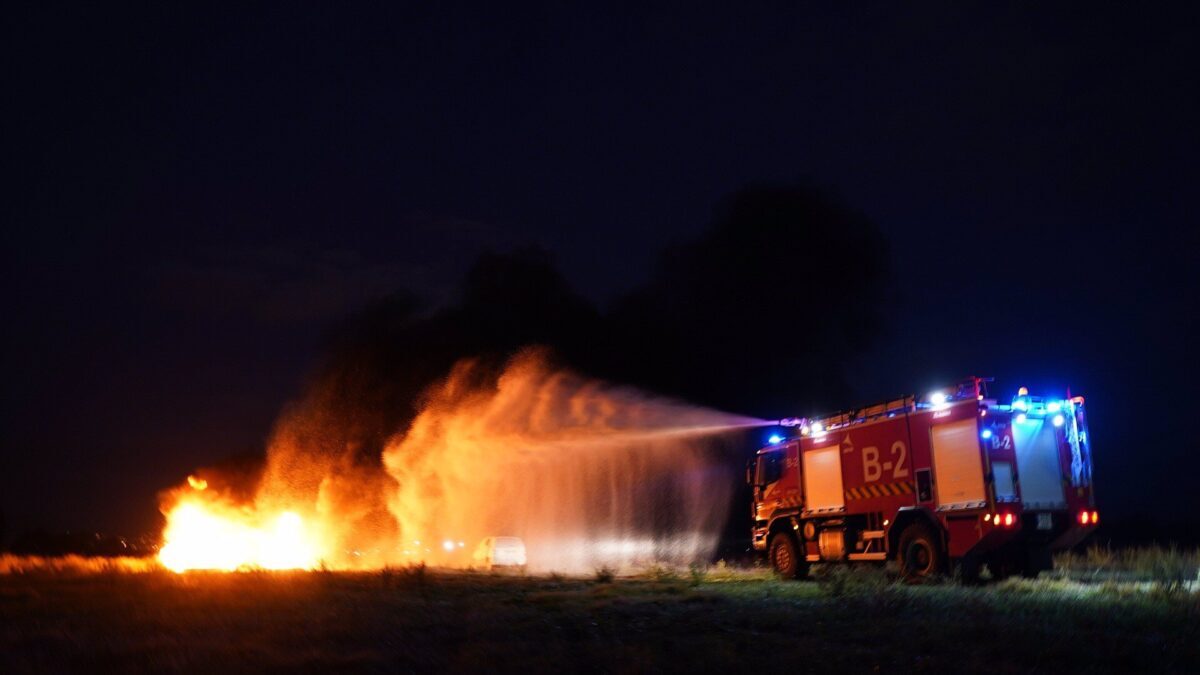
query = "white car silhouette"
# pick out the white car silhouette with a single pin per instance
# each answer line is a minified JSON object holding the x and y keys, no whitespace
{"x":495,"y":552}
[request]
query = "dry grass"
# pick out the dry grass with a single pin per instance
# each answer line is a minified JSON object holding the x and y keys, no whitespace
{"x":74,"y":564}
{"x":715,"y":618}
{"x":1169,"y":567}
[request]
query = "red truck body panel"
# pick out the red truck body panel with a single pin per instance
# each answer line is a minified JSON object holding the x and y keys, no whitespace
{"x":890,"y":457}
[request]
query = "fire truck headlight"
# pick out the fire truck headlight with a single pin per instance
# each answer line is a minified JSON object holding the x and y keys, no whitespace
{"x":1058,"y":420}
{"x":1021,"y":418}
{"x":937,"y":398}
{"x":985,"y":434}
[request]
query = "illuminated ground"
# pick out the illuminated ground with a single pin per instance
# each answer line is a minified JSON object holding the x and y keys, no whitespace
{"x":410,"y":620}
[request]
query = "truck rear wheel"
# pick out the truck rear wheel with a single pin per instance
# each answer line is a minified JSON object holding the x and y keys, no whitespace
{"x":1002,"y":567}
{"x":1037,"y":560}
{"x":920,"y":553}
{"x":969,"y":569}
{"x":785,"y":556}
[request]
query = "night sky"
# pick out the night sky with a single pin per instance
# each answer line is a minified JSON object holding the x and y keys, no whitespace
{"x":195,"y":198}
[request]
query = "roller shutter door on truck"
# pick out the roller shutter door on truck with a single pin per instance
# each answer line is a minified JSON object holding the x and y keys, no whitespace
{"x":1040,"y":475}
{"x":823,"y":479}
{"x":958,"y":465}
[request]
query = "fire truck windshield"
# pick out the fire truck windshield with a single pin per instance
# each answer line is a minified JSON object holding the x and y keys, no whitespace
{"x":770,"y":467}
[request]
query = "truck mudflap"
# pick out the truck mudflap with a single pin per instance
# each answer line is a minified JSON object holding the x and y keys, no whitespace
{"x":1069,"y":538}
{"x":1027,"y":549}
{"x":992,"y":540}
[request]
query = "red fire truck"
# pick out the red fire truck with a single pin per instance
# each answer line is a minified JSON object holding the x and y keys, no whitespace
{"x":951,"y":478}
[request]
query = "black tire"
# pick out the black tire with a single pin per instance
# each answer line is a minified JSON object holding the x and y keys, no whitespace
{"x":786,"y":559}
{"x":1037,"y":560}
{"x":969,"y":569}
{"x":920,"y":554}
{"x":1001,"y":568}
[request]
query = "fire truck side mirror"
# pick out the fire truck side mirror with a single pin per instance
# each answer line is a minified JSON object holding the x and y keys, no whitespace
{"x":750,"y":472}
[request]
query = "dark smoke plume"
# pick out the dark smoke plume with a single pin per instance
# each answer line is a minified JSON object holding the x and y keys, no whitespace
{"x":758,"y":315}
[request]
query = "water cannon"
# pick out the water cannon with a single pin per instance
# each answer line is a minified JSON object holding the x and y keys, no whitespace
{"x":802,"y":422}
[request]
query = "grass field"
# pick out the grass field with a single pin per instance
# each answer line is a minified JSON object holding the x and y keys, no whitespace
{"x":413,"y":619}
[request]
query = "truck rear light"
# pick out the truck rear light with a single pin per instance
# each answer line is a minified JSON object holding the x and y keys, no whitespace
{"x":1095,"y":517}
{"x":1000,"y":519}
{"x":1086,"y":517}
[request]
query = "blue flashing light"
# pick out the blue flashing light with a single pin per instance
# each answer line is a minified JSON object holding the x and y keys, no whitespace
{"x":1053,"y":406}
{"x":1058,"y":420}
{"x":775,"y":438}
{"x":1021,"y":418}
{"x":1020,"y":404}
{"x":985,"y":434}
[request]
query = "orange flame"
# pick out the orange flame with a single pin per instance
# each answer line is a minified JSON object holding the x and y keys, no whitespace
{"x":205,"y":536}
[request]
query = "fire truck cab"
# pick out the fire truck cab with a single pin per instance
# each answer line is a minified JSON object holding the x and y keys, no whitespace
{"x":951,"y":478}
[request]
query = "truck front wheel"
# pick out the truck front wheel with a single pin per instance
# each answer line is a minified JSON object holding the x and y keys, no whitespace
{"x":920,"y":553}
{"x":785,"y":556}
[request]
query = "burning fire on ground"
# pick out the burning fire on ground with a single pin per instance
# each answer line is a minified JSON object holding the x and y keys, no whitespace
{"x":586,"y":474}
{"x":200,"y":537}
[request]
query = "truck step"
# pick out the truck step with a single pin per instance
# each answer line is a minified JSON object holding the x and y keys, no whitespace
{"x":867,"y":556}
